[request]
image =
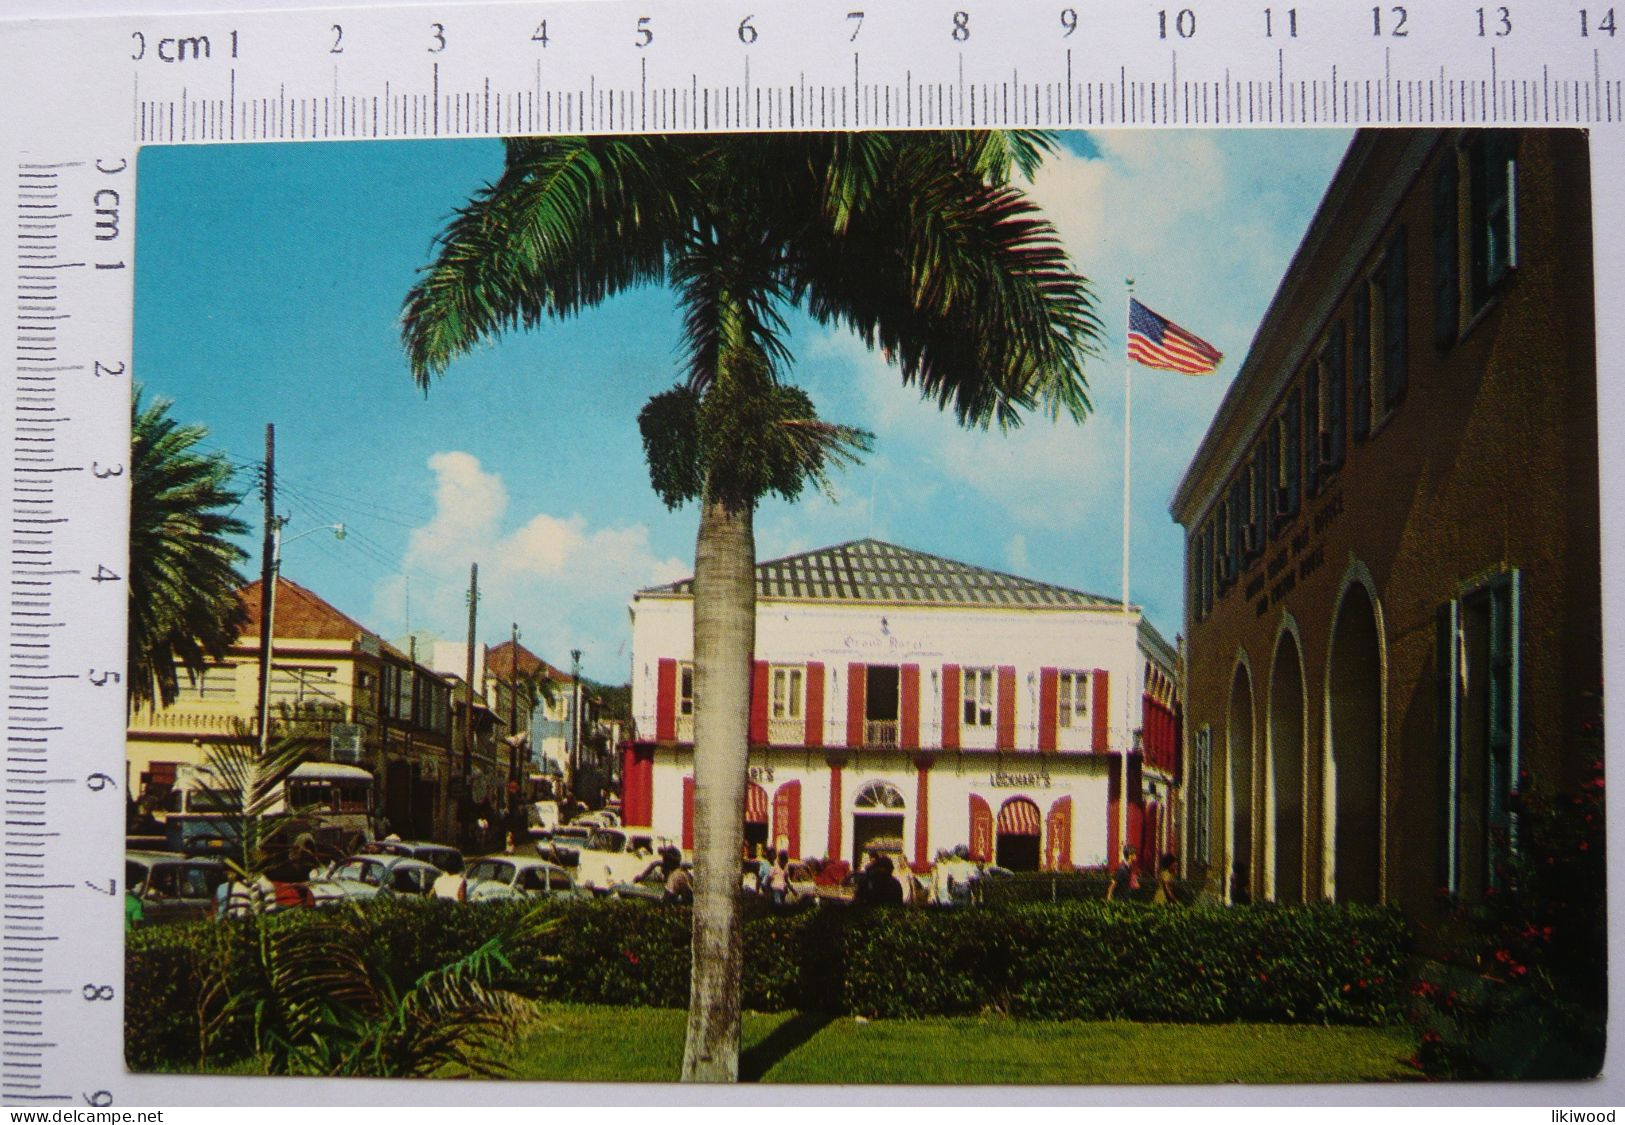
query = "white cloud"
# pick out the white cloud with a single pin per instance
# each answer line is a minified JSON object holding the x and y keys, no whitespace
{"x":564,"y":581}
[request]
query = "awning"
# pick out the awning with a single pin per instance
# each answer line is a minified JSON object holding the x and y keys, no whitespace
{"x":755,"y":804}
{"x":328,"y":771}
{"x":1018,"y":817}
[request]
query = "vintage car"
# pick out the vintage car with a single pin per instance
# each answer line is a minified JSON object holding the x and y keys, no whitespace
{"x":515,"y":876}
{"x":171,"y":887}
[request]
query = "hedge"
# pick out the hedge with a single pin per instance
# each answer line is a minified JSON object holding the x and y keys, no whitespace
{"x":1070,"y":960}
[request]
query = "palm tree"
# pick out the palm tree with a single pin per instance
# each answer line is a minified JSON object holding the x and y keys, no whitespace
{"x":916,"y":241}
{"x":184,"y":606}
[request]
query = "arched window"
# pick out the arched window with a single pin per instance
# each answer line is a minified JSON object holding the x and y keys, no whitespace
{"x":879,"y":797}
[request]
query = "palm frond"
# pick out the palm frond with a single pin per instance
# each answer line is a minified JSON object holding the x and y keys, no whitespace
{"x":184,"y":606}
{"x":572,"y":221}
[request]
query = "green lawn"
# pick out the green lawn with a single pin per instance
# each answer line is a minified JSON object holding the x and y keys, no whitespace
{"x":607,"y":1044}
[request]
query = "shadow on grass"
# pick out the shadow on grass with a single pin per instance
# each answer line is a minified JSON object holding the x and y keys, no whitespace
{"x":757,"y":1060}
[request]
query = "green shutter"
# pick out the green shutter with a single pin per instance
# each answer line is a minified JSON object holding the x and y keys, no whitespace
{"x":1446,"y":251}
{"x":1311,"y":429}
{"x":1360,"y":363}
{"x":1446,"y":672}
{"x":1395,"y":322}
{"x":1336,"y":356}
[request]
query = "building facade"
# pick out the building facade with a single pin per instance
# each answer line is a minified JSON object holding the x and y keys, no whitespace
{"x":908,"y":703}
{"x":359,"y":700}
{"x":1393,"y":585}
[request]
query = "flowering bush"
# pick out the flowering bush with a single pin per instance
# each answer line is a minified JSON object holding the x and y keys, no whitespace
{"x":1520,"y":990}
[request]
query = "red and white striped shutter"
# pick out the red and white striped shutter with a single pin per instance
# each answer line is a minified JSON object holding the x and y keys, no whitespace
{"x":1048,"y":700}
{"x":856,"y":682}
{"x":909,"y":734}
{"x":1007,"y":707}
{"x":758,"y":703}
{"x":666,"y":701}
{"x":950,"y":707}
{"x":1102,"y":704}
{"x":815,"y":705}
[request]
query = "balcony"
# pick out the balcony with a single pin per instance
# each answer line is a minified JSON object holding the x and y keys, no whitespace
{"x":786,"y":732}
{"x":880,"y":734}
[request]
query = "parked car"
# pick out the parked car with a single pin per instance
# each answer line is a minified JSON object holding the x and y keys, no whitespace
{"x":543,"y":816}
{"x":616,"y":855}
{"x":648,"y":885}
{"x":563,"y":845}
{"x":368,"y":876}
{"x":515,"y":876}
{"x":443,"y":856}
{"x":172,"y":887}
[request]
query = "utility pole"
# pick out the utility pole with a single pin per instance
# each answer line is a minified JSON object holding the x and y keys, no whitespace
{"x":268,"y":560}
{"x":468,"y":680}
{"x":513,"y":706}
{"x":575,"y":719}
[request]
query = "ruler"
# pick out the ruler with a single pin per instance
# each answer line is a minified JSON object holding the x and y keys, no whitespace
{"x":93,"y":90}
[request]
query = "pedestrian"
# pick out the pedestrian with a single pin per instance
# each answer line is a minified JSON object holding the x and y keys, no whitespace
{"x":764,"y":870}
{"x":1239,"y":895}
{"x":778,"y":879}
{"x":877,"y":886}
{"x":1126,"y":880}
{"x":1167,"y":892}
{"x":679,"y":883}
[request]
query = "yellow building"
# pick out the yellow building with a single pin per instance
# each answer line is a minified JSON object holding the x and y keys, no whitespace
{"x":359,"y":699}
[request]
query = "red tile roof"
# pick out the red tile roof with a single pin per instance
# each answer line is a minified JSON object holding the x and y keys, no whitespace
{"x":301,"y":615}
{"x":499,"y":659}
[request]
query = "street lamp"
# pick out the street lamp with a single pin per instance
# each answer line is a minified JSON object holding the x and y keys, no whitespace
{"x":268,"y":605}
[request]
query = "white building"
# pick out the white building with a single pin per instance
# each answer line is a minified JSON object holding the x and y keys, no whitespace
{"x":909,"y":702}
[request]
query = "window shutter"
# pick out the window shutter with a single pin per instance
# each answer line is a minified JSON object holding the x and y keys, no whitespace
{"x":1336,"y":362}
{"x":1290,"y":423}
{"x":688,"y":814}
{"x":815,"y":705}
{"x":1006,"y":734}
{"x":1048,"y":701}
{"x":1311,"y":428}
{"x":787,"y":817}
{"x":758,"y":703}
{"x":1360,"y":365}
{"x":837,"y":813}
{"x":1101,"y":701}
{"x":909,"y":732}
{"x":666,"y":701}
{"x":856,"y":682}
{"x":1259,"y":521}
{"x":1447,"y":671}
{"x":1395,"y":323}
{"x":1446,"y":251}
{"x":1273,"y":510}
{"x":950,"y":707}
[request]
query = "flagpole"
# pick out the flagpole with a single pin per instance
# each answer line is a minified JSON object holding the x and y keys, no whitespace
{"x":1128,"y":725}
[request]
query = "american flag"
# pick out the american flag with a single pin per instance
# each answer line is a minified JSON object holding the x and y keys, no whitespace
{"x":1156,"y":341}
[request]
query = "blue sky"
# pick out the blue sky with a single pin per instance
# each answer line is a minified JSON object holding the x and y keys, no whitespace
{"x":269,"y":281}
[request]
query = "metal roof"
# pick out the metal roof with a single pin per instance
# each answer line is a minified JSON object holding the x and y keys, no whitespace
{"x":869,"y":570}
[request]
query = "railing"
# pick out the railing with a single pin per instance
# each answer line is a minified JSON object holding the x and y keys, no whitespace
{"x":786,"y":732}
{"x":880,"y":732}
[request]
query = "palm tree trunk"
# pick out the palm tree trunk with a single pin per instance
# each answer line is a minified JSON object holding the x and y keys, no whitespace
{"x":724,"y":637}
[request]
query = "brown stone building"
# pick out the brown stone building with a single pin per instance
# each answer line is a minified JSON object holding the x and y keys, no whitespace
{"x":1393,"y":583}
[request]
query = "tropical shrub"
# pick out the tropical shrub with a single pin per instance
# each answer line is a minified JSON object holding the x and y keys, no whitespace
{"x":198,"y":993}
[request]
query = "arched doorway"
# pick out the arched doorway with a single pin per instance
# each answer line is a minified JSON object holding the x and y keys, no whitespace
{"x":1016,"y":847}
{"x":1285,"y":775}
{"x":1354,"y":750}
{"x":1239,"y":753}
{"x":755,"y":816}
{"x":877,"y":821}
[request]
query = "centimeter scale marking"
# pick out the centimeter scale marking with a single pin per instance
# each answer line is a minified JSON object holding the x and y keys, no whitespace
{"x":35,"y":518}
{"x":479,"y":69}
{"x":484,"y":107}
